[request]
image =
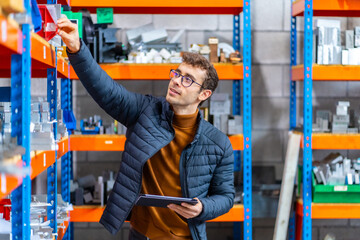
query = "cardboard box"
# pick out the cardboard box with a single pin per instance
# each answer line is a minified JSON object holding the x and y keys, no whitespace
{"x":213,"y":44}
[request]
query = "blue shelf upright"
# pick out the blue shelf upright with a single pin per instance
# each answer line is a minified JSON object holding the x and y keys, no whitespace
{"x":307,"y":113}
{"x":20,"y":128}
{"x":307,"y":152}
{"x":236,"y":111}
{"x":66,"y":106}
{"x":247,"y":122}
{"x":52,"y":170}
{"x":292,"y":124}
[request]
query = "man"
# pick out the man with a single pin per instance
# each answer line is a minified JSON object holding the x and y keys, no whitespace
{"x":170,"y":150}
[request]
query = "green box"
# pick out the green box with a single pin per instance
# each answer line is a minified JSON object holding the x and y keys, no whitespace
{"x":75,"y":17}
{"x":331,"y":193}
{"x":105,"y":15}
{"x":335,"y":193}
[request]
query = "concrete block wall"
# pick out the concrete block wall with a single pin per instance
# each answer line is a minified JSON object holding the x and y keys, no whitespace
{"x":270,"y":95}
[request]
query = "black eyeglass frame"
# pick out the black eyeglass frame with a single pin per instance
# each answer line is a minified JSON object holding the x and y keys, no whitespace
{"x":182,"y":78}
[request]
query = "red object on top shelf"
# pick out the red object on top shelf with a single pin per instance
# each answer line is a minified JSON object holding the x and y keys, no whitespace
{"x":5,"y":208}
{"x":49,"y":27}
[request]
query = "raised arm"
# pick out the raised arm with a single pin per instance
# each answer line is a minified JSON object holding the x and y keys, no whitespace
{"x":119,"y":103}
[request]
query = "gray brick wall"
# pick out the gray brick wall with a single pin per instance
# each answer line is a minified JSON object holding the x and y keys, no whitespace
{"x":270,"y":89}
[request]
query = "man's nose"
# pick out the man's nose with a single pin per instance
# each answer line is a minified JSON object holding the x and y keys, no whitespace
{"x":177,"y":80}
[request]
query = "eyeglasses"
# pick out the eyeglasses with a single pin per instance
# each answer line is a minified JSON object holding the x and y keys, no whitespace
{"x":185,"y":81}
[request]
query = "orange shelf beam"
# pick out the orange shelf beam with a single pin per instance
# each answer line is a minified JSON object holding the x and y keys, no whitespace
{"x":328,"y":73}
{"x":10,"y":40}
{"x":162,"y":6}
{"x":330,"y":8}
{"x":331,"y":210}
{"x":97,"y":142}
{"x":42,"y":52}
{"x":236,"y":214}
{"x":237,"y":142}
{"x":136,"y":71}
{"x":86,"y":213}
{"x":117,"y":142}
{"x":334,"y":141}
{"x":40,"y":161}
{"x":93,"y":214}
{"x":63,"y":147}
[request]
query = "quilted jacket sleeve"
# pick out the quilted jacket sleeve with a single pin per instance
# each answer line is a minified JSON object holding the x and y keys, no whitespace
{"x":119,"y":103}
{"x":221,"y":192}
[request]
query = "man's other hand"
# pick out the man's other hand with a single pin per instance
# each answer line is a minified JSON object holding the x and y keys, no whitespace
{"x":187,"y":210}
{"x":69,"y":33}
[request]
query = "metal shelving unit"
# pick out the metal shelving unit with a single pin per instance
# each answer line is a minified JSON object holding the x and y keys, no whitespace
{"x":25,"y":55}
{"x":157,"y":71}
{"x":45,"y":62}
{"x":309,"y":72}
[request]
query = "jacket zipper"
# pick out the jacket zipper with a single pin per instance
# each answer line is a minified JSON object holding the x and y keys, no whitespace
{"x":184,"y":189}
{"x":142,"y":167}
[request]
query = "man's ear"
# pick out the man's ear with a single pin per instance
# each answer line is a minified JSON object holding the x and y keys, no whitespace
{"x":205,"y":94}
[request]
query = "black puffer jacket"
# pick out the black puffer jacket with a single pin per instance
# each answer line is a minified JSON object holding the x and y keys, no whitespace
{"x":206,"y":165}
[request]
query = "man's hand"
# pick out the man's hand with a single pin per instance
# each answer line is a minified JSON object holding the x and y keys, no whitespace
{"x":187,"y":210}
{"x":68,"y":32}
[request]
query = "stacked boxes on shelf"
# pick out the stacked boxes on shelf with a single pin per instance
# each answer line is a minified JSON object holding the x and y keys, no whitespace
{"x":342,"y":122}
{"x":328,"y":48}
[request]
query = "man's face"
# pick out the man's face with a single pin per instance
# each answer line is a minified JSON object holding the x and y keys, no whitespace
{"x":185,"y":100}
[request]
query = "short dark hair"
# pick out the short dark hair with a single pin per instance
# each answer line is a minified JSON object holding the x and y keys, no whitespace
{"x":197,"y":60}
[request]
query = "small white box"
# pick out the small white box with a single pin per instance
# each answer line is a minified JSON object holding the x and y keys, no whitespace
{"x":158,"y":35}
{"x":341,"y":110}
{"x":345,"y":57}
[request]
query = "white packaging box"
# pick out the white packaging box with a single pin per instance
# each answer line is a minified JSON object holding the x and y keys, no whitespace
{"x":327,"y":23}
{"x":341,"y":110}
{"x":349,"y":39}
{"x":357,"y":40}
{"x":345,"y":57}
{"x":135,"y":33}
{"x":158,"y":35}
{"x":344,"y":103}
{"x":235,"y":126}
{"x":224,"y":123}
{"x":220,"y":107}
{"x":354,"y":56}
{"x":319,"y":55}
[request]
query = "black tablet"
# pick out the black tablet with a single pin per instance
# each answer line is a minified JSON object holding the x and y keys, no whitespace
{"x":162,"y":201}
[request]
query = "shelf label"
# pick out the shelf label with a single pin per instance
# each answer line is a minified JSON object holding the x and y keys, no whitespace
{"x":44,"y":49}
{"x":3,"y":31}
{"x":3,"y":183}
{"x":44,"y":159}
{"x":63,"y":66}
{"x":340,"y":188}
{"x":63,"y":147}
{"x":108,"y":142}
